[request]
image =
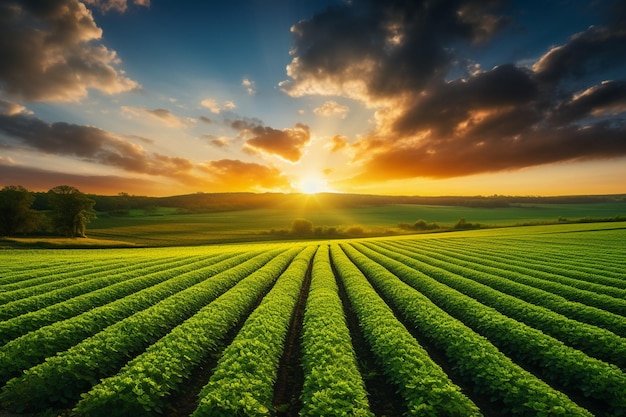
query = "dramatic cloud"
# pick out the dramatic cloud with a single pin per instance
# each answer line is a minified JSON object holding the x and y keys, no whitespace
{"x":287,"y":143}
{"x":237,"y":175}
{"x":437,"y":113}
{"x":372,"y":49}
{"x":162,"y":115}
{"x":331,"y":108}
{"x":588,"y":52}
{"x":87,"y":143}
{"x":50,"y":52}
{"x":117,"y":5}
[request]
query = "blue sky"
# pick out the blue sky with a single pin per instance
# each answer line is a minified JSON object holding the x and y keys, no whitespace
{"x":164,"y":97}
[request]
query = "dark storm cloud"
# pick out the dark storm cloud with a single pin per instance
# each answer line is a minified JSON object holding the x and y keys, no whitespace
{"x":391,"y":46}
{"x":437,"y":119}
{"x":287,"y":143}
{"x":444,"y":105}
{"x":608,"y":98}
{"x":588,"y":52}
{"x":88,"y":143}
{"x":49,"y":51}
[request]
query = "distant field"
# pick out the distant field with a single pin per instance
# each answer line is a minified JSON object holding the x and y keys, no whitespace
{"x":525,"y":321}
{"x":163,"y":227}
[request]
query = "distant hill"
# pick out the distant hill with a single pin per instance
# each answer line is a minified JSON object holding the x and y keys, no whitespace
{"x":216,"y":202}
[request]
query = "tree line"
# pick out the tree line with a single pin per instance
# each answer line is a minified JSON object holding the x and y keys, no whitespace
{"x":68,"y":213}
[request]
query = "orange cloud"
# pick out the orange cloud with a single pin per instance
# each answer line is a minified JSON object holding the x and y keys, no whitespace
{"x":338,"y":142}
{"x":287,"y":143}
{"x":235,"y":175}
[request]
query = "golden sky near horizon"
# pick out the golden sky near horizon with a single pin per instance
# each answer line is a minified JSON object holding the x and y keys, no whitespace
{"x":398,"y":97}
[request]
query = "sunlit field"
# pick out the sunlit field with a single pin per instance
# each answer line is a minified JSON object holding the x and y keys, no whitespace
{"x":524,"y":321}
{"x":318,"y":208}
{"x":165,"y":227}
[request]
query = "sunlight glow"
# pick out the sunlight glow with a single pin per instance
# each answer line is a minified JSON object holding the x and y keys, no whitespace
{"x":313,"y":185}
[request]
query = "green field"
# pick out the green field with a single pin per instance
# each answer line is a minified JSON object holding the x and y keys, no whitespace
{"x":524,"y":321}
{"x":164,"y":227}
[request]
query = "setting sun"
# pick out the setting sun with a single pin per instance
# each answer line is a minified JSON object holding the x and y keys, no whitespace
{"x":313,"y":185}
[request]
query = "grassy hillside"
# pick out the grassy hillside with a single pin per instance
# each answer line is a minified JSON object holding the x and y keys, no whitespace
{"x":168,"y":227}
{"x":244,"y":217}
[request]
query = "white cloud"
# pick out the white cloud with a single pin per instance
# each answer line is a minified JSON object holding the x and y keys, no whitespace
{"x":210,"y":104}
{"x":214,"y":106}
{"x":332,"y":108}
{"x":249,"y":86}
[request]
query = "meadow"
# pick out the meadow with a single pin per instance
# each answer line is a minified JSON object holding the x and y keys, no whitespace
{"x":166,"y":227}
{"x":524,"y":321}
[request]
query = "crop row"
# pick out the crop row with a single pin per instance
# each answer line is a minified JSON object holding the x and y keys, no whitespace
{"x":500,"y":279}
{"x":487,"y":370}
{"x":450,"y":331}
{"x":94,"y":282}
{"x":515,"y":271}
{"x":587,"y":265}
{"x":333,"y":384}
{"x":31,"y":321}
{"x":243,"y":381}
{"x":562,"y":273}
{"x":143,"y":386}
{"x":551,"y":358}
{"x":56,"y":279}
{"x":33,"y":347}
{"x":32,"y":272}
{"x":424,"y":386}
{"x":605,"y":297}
{"x":61,"y":378}
{"x":593,"y":340}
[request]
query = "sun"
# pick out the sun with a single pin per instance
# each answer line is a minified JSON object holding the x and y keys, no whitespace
{"x":313,"y":185}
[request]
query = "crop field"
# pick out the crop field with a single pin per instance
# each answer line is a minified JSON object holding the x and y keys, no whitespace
{"x":527,"y":321}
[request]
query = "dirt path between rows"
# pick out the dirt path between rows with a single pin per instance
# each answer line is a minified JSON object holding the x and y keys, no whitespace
{"x":290,"y":378}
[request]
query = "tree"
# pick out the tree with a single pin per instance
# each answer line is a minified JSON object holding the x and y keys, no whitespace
{"x":302,"y":227}
{"x":71,"y":210}
{"x":15,"y":212}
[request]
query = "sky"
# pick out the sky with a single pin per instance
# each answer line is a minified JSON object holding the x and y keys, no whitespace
{"x":165,"y":97}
